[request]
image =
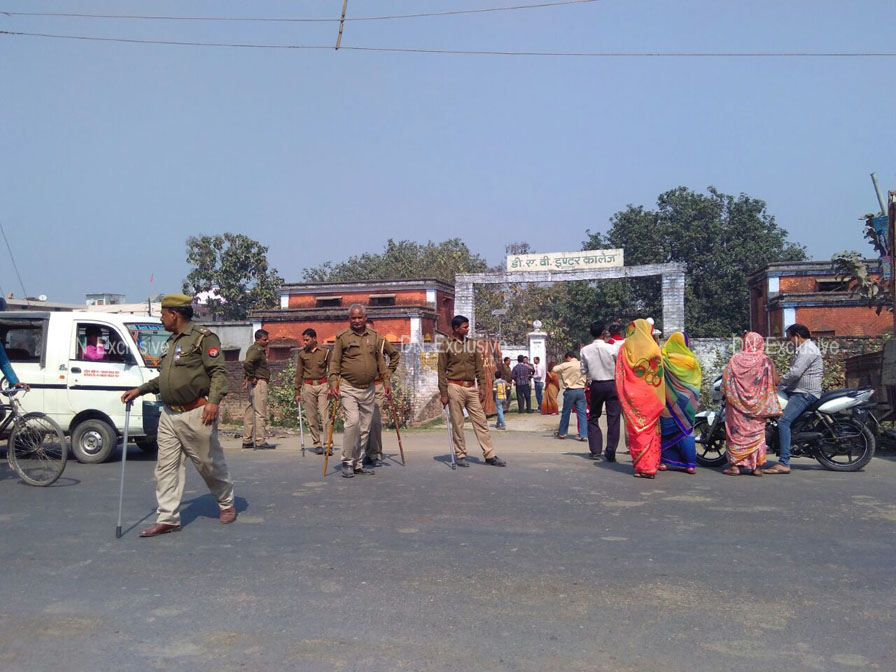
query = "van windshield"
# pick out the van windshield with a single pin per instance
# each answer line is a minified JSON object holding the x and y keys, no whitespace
{"x":150,"y":339}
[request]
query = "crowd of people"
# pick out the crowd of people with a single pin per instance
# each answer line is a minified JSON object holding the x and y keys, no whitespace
{"x":656,"y":389}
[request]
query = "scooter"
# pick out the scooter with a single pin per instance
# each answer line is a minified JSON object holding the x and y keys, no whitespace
{"x":833,"y":430}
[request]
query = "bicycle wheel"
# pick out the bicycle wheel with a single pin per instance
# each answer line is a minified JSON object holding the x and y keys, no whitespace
{"x":37,"y":449}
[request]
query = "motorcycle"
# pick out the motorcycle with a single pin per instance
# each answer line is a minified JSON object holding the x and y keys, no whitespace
{"x":833,"y":430}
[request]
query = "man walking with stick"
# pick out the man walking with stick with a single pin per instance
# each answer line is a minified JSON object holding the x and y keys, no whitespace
{"x":192,"y":381}
{"x":374,"y":451}
{"x":460,"y":370}
{"x":311,"y":386}
{"x":257,"y":376}
{"x":355,"y":364}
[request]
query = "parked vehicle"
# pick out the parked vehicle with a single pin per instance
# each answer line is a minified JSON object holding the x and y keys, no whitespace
{"x":78,"y":364}
{"x":833,"y":430}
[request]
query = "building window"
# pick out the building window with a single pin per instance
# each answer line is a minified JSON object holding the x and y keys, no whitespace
{"x":232,"y":355}
{"x":328,"y":301}
{"x":831,"y":285}
{"x":382,"y":300}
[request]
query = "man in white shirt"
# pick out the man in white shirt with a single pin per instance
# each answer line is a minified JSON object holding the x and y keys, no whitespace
{"x":540,"y":370}
{"x":599,"y":367}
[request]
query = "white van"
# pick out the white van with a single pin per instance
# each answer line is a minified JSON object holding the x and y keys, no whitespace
{"x":78,"y":364}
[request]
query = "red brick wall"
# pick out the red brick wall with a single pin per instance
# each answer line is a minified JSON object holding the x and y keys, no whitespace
{"x":798,"y":284}
{"x":845,"y":321}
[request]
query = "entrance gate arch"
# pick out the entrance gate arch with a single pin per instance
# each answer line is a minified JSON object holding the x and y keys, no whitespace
{"x":671,"y":275}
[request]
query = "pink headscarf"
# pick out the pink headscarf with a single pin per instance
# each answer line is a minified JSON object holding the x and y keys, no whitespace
{"x":748,"y":381}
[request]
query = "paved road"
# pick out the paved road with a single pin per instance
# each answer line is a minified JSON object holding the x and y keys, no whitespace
{"x":554,"y":563}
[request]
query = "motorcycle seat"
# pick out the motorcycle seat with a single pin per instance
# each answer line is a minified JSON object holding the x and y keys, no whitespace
{"x":835,"y":394}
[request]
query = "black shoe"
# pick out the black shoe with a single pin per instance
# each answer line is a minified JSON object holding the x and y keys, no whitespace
{"x":377,"y":462}
{"x":364,"y":470}
{"x":462,"y":462}
{"x":610,"y":458}
{"x":495,"y":461}
{"x":594,"y":456}
{"x":347,"y":471}
{"x":248,"y":446}
{"x":317,"y":450}
{"x":265,"y":446}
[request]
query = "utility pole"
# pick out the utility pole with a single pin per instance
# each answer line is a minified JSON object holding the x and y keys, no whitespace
{"x":341,"y":24}
{"x":891,"y":212}
{"x":880,"y":195}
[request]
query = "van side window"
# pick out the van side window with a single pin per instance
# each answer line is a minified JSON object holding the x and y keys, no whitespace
{"x":99,"y":343}
{"x":23,"y":343}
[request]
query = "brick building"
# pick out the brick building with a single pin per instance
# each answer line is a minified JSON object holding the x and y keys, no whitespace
{"x":809,"y":292}
{"x":403,"y":311}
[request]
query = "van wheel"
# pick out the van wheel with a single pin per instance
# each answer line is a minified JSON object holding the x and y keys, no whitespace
{"x":147,"y":444}
{"x":93,"y":441}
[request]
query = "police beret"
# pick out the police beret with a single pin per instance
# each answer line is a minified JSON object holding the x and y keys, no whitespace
{"x":177,"y":301}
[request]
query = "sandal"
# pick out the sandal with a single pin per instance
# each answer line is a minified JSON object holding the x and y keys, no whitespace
{"x":731,"y":471}
{"x":777,"y":469}
{"x":691,"y":470}
{"x":756,"y":472}
{"x":662,"y":467}
{"x":643,"y":474}
{"x":559,"y":436}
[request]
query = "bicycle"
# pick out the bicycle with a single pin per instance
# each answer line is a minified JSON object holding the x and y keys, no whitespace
{"x":36,"y":450}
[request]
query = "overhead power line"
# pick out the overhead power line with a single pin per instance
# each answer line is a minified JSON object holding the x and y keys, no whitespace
{"x":480,"y":52}
{"x":157,"y":17}
{"x":12,"y":258}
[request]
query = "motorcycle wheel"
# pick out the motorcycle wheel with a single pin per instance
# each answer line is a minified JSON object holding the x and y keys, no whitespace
{"x":710,"y":449}
{"x":847,"y":446}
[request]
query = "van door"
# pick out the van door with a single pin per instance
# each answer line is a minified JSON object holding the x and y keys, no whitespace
{"x":101,"y":367}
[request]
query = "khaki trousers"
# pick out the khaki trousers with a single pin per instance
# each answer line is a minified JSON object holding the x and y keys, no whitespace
{"x":375,"y":440}
{"x":460,"y":398}
{"x":315,"y":399}
{"x":182,"y":435}
{"x":258,"y":395}
{"x":357,"y":405}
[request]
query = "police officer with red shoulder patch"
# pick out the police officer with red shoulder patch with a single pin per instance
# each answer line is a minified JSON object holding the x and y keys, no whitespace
{"x":191,"y":383}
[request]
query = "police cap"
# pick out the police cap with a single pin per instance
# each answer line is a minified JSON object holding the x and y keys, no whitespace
{"x":177,"y":301}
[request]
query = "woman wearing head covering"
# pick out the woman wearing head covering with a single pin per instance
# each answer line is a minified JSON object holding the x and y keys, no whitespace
{"x":551,"y":390}
{"x":642,"y":395}
{"x":748,"y":385}
{"x":682,"y":376}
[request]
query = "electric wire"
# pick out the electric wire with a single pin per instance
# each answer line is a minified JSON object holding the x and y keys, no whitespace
{"x":155,"y":17}
{"x":13,"y":259}
{"x":479,"y":52}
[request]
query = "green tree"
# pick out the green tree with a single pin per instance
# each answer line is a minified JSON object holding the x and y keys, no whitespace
{"x":862,"y":281}
{"x":403,"y":260}
{"x":236,"y":268}
{"x":721,"y":238}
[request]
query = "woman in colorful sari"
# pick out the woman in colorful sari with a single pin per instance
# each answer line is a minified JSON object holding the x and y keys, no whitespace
{"x":642,"y":395}
{"x":551,"y":390}
{"x":748,"y":385}
{"x":682,"y":376}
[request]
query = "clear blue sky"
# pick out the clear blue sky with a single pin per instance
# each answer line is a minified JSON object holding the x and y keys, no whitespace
{"x":112,"y":154}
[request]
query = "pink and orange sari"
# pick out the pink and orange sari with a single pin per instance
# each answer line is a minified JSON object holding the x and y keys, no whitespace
{"x":642,"y":395}
{"x":748,"y":384}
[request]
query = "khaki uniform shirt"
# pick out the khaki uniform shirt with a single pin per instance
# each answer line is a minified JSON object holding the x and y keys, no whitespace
{"x":506,"y":373}
{"x":192,"y":366}
{"x":311,"y":365}
{"x":460,"y":360}
{"x":388,"y":350}
{"x":357,"y":358}
{"x":256,"y":363}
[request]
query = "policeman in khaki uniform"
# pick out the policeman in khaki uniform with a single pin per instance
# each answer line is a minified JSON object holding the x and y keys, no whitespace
{"x":256,"y":377}
{"x":311,"y":386}
{"x":192,"y":382}
{"x":355,"y":363}
{"x":460,"y":370}
{"x":374,"y":453}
